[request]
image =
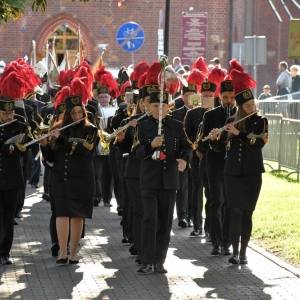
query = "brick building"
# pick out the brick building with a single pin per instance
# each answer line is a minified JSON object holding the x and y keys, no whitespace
{"x":227,"y":23}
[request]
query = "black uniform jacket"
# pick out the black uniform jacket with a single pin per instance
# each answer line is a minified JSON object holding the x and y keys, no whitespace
{"x":11,"y":176}
{"x":215,"y":118}
{"x":244,"y":156}
{"x":192,"y":122}
{"x":164,"y":173}
{"x":73,"y":170}
{"x":180,"y":113}
{"x":133,"y":164}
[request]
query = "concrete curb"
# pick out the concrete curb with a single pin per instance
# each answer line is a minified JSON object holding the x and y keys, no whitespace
{"x":275,"y":259}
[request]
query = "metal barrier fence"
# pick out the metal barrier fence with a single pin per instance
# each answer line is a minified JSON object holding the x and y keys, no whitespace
{"x":284,"y":143}
{"x":288,"y":105}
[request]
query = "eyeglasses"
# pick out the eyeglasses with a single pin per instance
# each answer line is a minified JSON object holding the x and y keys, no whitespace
{"x":6,"y":114}
{"x":103,"y":97}
{"x":79,"y":113}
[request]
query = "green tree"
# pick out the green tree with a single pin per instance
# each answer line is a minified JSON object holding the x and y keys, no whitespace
{"x":13,"y":9}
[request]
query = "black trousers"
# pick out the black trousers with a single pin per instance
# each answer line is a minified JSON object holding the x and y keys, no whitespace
{"x":8,"y":204}
{"x":156,"y":224}
{"x":114,"y":157}
{"x":21,"y":197}
{"x":204,"y":179}
{"x":197,"y":193}
{"x":133,"y":185}
{"x":103,"y":178}
{"x":126,"y":204}
{"x":34,"y":165}
{"x":218,"y":212}
{"x":182,"y":196}
{"x":52,"y":224}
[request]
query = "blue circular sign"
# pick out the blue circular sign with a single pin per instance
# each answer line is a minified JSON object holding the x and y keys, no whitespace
{"x":130,"y":36}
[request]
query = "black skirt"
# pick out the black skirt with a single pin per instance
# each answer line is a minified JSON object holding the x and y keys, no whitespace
{"x":74,"y":208}
{"x":242,"y":191}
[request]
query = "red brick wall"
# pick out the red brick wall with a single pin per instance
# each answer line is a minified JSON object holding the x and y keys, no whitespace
{"x":95,"y":16}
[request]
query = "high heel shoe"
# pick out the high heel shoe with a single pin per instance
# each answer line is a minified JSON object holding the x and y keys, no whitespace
{"x":62,"y":261}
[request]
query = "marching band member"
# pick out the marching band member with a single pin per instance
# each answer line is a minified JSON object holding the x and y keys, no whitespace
{"x":159,"y":181}
{"x":215,"y":162}
{"x":11,"y":177}
{"x":244,"y":165}
{"x":72,"y":170}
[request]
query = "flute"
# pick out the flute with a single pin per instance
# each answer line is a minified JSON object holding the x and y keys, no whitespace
{"x":4,"y":124}
{"x":109,"y":137}
{"x":48,"y":134}
{"x":223,"y":128}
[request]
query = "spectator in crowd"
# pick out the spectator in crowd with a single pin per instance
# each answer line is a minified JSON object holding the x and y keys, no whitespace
{"x":216,"y":62}
{"x":283,"y":81}
{"x":177,"y":63}
{"x":266,"y":93}
{"x":186,"y":68}
{"x":295,"y":74}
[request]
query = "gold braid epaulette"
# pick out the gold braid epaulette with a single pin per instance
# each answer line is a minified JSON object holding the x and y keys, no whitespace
{"x":135,"y":138}
{"x":20,"y":147}
{"x":89,"y":142}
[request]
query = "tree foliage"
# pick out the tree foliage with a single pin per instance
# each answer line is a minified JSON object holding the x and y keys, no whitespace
{"x":13,"y":9}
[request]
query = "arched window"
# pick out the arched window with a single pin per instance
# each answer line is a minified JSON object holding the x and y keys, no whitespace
{"x":66,"y":38}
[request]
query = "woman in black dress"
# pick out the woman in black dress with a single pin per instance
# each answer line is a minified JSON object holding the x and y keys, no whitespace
{"x":72,"y":176}
{"x":244,"y":166}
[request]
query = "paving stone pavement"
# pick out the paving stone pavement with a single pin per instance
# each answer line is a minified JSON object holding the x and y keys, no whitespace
{"x":107,"y":271}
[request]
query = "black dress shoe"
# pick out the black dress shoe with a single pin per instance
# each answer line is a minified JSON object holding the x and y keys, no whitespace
{"x":46,"y":197}
{"x":159,"y":268}
{"x":234,"y":259}
{"x":225,"y":251}
{"x":215,"y":251}
{"x":195,"y":233}
{"x":120,"y":212}
{"x":34,"y":186}
{"x":145,"y":269}
{"x":243,"y":260}
{"x":55,"y":249}
{"x":183,"y":223}
{"x":62,"y":261}
{"x":5,"y":260}
{"x":125,"y":240}
{"x":15,"y":222}
{"x":73,"y":262}
{"x":19,"y":215}
{"x":107,"y":205}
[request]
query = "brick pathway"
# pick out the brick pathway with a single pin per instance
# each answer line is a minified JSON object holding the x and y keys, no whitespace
{"x":107,"y":271}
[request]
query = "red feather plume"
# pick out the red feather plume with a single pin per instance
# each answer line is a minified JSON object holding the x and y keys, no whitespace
{"x":110,"y":82}
{"x":85,"y":73}
{"x":216,"y":75}
{"x":78,"y":87}
{"x":102,"y":71}
{"x":142,"y":80}
{"x":242,"y":81}
{"x":140,"y":69}
{"x":62,"y":95}
{"x":235,"y":65}
{"x":196,"y":77}
{"x":152,"y":74}
{"x":201,"y":65}
{"x":14,"y":86}
{"x":124,"y":86}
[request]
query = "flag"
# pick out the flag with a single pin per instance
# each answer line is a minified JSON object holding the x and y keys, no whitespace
{"x":119,"y":2}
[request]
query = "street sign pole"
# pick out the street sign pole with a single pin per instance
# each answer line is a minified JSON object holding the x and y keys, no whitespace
{"x":254,"y":63}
